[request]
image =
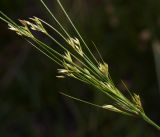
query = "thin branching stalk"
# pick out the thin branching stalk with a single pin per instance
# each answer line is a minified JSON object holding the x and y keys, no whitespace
{"x":75,"y":62}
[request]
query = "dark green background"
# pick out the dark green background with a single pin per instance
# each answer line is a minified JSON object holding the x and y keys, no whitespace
{"x":30,"y":104}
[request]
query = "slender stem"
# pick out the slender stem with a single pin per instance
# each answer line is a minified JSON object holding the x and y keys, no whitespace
{"x":148,"y":120}
{"x":53,"y":28}
{"x":45,"y":53}
{"x":86,"y":102}
{"x":69,"y":19}
{"x":55,"y":19}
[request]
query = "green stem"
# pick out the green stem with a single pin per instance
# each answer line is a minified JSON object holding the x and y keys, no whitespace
{"x":148,"y":120}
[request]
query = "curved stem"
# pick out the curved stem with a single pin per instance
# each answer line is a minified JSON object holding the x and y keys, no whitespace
{"x":148,"y":120}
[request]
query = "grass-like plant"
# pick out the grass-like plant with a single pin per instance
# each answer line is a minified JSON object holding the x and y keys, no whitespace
{"x":77,"y":61}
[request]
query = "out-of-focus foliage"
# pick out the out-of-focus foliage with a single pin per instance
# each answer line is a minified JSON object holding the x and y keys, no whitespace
{"x":30,"y":104}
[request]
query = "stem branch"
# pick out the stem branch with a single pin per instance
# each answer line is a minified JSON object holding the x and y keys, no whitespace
{"x":148,"y":120}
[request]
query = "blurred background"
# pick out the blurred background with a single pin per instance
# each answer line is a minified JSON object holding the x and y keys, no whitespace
{"x":127,"y":35}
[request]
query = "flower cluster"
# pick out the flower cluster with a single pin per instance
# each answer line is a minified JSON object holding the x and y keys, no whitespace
{"x":76,"y":63}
